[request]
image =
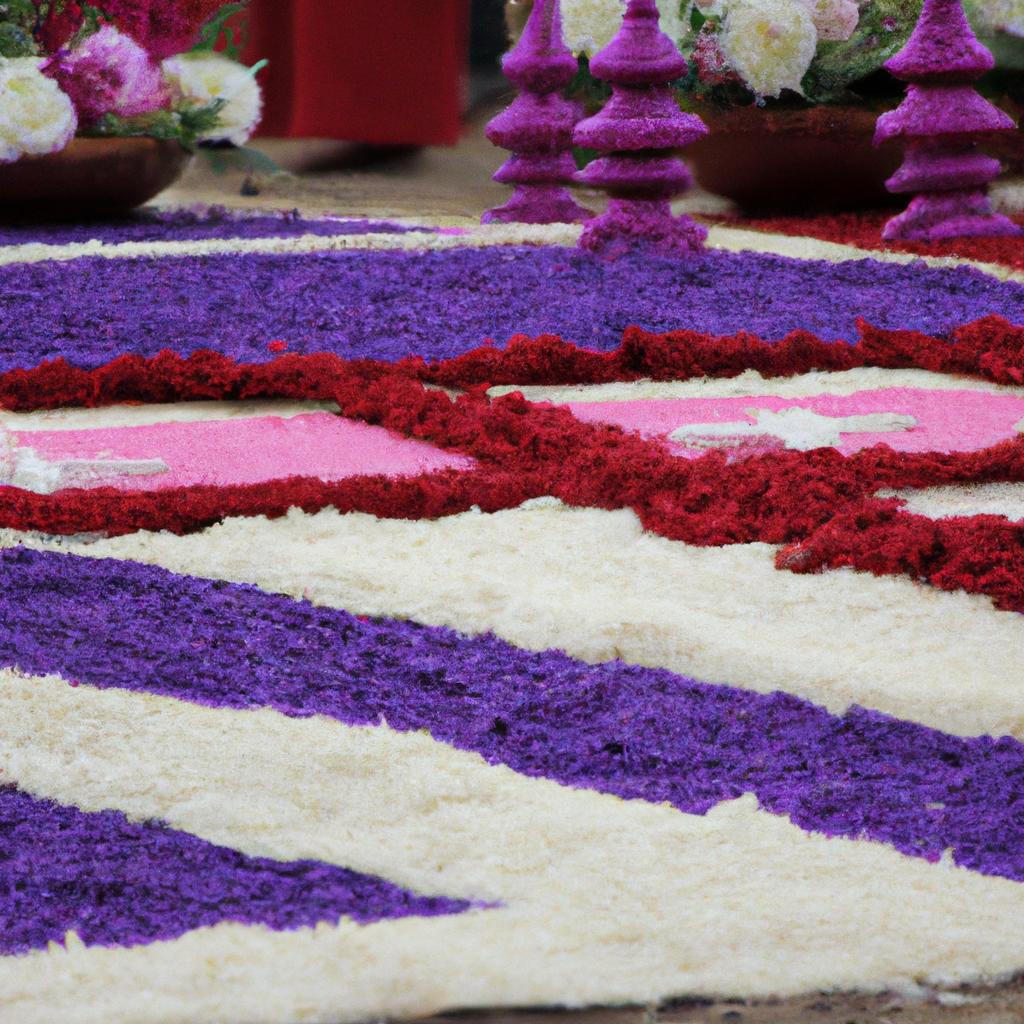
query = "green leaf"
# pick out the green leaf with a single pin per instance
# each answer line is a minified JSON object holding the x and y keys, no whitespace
{"x":186,"y":125}
{"x":218,"y":34}
{"x":91,"y":24}
{"x":239,"y":159}
{"x":161,"y":124}
{"x":199,"y":121}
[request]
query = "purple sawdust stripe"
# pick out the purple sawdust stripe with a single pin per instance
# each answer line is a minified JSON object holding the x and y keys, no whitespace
{"x":634,"y":732}
{"x":150,"y":225}
{"x":388,"y":305}
{"x":117,"y":883}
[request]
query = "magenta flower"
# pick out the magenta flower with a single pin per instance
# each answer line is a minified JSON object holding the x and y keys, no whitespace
{"x":109,"y":73}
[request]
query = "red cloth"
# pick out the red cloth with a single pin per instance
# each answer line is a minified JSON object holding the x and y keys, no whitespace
{"x":381,"y":71}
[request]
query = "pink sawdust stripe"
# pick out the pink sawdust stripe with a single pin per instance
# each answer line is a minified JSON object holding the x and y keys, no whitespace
{"x":245,"y":451}
{"x":947,"y":421}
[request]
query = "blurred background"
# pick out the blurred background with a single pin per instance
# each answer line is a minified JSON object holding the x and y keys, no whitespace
{"x":400,"y":73}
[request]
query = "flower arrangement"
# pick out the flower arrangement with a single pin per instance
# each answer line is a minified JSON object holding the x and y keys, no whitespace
{"x":790,"y":52}
{"x":160,"y":68}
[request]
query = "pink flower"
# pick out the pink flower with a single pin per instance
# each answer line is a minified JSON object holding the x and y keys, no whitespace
{"x":834,"y":19}
{"x":109,"y":73}
{"x":711,"y":63}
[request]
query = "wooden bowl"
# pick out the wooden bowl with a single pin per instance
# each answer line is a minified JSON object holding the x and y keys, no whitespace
{"x":801,"y":161}
{"x":89,"y":178}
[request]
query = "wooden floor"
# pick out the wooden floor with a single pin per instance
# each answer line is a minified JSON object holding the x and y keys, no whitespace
{"x":442,"y":186}
{"x":454,"y":187}
{"x":447,"y":186}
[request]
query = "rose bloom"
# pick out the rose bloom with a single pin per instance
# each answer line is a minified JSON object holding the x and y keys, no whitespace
{"x":834,"y":19}
{"x":109,"y":73}
{"x":204,"y":78}
{"x":770,"y":43}
{"x":36,"y":117}
{"x":587,"y":25}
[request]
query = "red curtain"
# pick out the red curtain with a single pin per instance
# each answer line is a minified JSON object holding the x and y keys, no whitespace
{"x":379,"y":71}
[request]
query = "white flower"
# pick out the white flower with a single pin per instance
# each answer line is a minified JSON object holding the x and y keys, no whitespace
{"x":204,"y":78}
{"x":834,"y":19}
{"x":587,"y":25}
{"x":35,"y":116}
{"x":770,"y":43}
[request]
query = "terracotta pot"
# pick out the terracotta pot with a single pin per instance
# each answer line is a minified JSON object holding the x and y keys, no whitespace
{"x":89,"y":178}
{"x":818,"y":159}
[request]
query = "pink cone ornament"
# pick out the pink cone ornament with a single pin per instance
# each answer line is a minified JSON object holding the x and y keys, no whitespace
{"x":638,"y":129}
{"x":538,"y":126}
{"x":942,"y":120}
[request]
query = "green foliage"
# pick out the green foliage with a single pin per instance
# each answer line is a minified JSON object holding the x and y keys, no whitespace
{"x":15,"y":41}
{"x":239,"y":159}
{"x":92,"y":21}
{"x":885,"y":25}
{"x":198,"y":121}
{"x":220,"y":33}
{"x":18,"y":12}
{"x":186,"y":125}
{"x":584,"y":156}
{"x":17,"y":19}
{"x":161,"y":124}
{"x":586,"y":87}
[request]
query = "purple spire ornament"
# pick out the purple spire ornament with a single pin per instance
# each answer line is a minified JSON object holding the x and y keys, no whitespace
{"x":638,"y":129}
{"x":538,"y":126}
{"x":942,"y":120}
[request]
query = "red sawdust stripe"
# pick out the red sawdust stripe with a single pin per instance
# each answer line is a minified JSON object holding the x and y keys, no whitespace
{"x":864,"y":230}
{"x":991,"y":349}
{"x":820,"y":503}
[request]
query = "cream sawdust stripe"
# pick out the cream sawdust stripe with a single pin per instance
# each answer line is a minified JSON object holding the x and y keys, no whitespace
{"x":606,"y":900}
{"x":751,"y":384}
{"x":800,"y":247}
{"x":482,"y":237}
{"x":723,"y":238}
{"x":148,"y":415}
{"x":966,"y":500}
{"x":596,"y":585}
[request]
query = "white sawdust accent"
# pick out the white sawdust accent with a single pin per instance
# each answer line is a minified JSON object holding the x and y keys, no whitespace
{"x":481,"y":237}
{"x":800,"y":247}
{"x":750,"y":384}
{"x":1004,"y":499}
{"x":604,"y":900}
{"x":22,"y":466}
{"x":148,"y":415}
{"x":595,"y":584}
{"x":32,"y":472}
{"x":799,"y":429}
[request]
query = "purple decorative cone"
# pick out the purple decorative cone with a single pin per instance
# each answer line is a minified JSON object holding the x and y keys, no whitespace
{"x":638,"y":129}
{"x":538,"y":126}
{"x":943,"y":120}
